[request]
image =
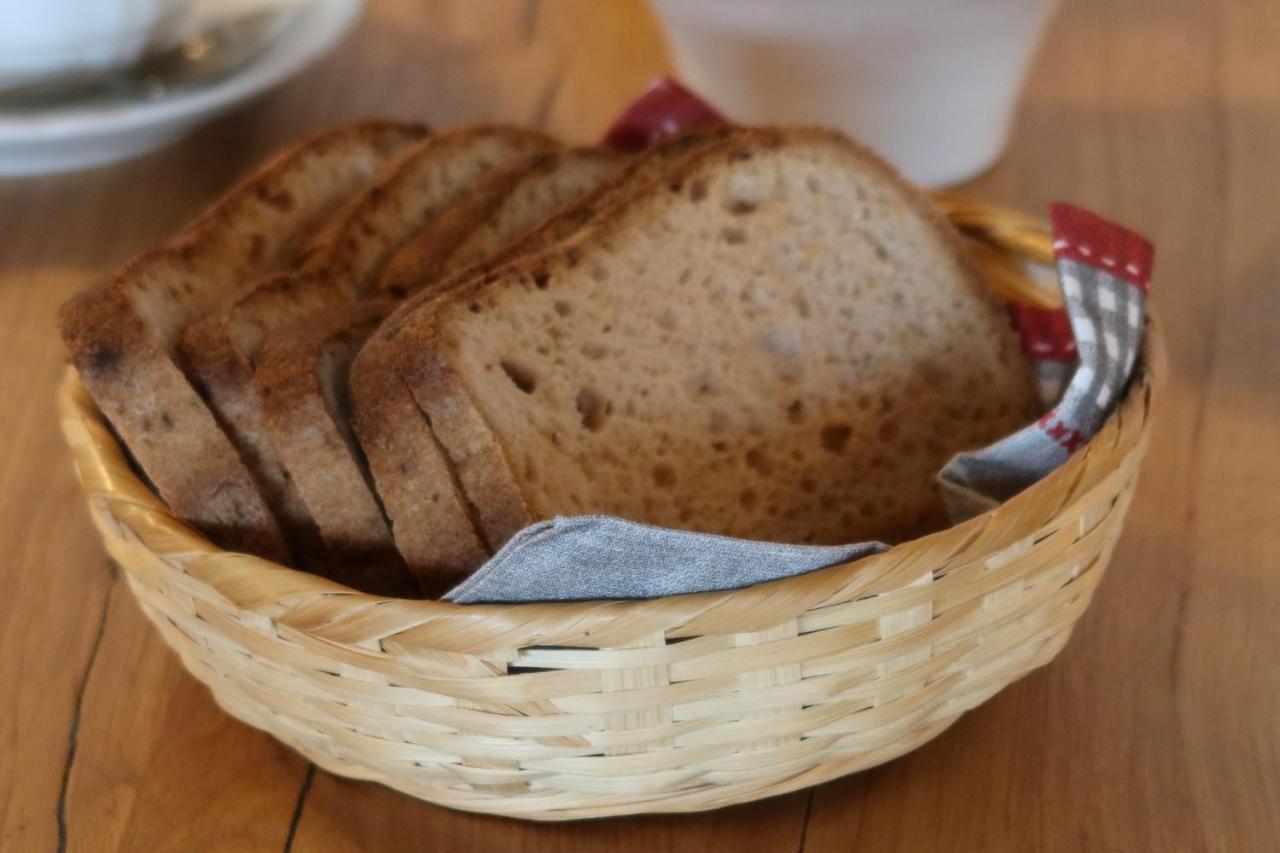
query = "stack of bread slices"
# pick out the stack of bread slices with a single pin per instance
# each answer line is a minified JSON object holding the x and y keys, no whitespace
{"x":388,"y":350}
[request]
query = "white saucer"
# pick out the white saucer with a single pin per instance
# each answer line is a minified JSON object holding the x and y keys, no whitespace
{"x":71,"y":138}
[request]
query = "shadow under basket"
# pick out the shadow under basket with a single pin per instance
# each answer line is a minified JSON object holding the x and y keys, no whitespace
{"x":575,"y":710}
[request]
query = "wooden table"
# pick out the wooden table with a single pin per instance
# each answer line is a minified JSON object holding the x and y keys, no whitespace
{"x":1157,"y":727}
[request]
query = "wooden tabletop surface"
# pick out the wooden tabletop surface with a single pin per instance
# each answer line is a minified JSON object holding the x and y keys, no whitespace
{"x":1157,"y":727}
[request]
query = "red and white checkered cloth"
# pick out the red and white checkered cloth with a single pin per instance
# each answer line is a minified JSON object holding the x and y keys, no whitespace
{"x":1083,"y":355}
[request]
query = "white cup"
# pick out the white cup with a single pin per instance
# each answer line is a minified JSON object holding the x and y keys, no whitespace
{"x":43,"y":38}
{"x":931,"y":85}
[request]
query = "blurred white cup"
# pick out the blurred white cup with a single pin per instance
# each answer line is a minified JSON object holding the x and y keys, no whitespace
{"x":43,"y":38}
{"x":931,"y":85}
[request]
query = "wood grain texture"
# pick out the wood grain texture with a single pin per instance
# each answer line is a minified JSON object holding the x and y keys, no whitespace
{"x":347,"y":816}
{"x":55,"y":587}
{"x":1155,"y":729}
{"x":158,"y":766}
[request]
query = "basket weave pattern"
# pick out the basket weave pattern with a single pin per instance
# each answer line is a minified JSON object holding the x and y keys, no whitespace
{"x":556,"y":711}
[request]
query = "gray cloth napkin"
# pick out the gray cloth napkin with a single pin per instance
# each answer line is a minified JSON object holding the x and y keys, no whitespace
{"x":598,"y":556}
{"x":1103,"y":269}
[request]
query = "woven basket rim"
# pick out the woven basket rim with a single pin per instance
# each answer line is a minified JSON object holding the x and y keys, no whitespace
{"x":258,"y":586}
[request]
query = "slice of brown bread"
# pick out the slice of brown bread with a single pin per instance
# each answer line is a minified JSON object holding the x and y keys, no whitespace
{"x":783,"y":342}
{"x":306,"y":417}
{"x":435,"y":528}
{"x":327,"y":498}
{"x":301,"y":381}
{"x":122,"y":333}
{"x":342,"y":263}
{"x":430,"y":520}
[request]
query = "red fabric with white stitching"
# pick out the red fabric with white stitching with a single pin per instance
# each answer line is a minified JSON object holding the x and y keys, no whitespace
{"x":1046,"y":333}
{"x":1088,"y":238}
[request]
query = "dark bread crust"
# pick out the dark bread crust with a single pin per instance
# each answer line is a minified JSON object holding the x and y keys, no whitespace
{"x":340,"y":264}
{"x":122,"y":332}
{"x":304,"y":406}
{"x":213,"y":355}
{"x":413,"y":192}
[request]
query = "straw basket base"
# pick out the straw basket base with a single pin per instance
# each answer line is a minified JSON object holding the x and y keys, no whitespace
{"x":588,"y":709}
{"x":557,"y":806}
{"x":790,"y":768}
{"x":845,"y":745}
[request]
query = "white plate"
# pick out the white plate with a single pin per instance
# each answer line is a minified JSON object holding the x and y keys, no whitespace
{"x":77,"y":137}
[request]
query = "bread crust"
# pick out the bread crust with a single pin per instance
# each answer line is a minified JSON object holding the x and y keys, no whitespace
{"x":303,"y":400}
{"x":430,"y":521}
{"x":339,"y":264}
{"x":122,"y":333}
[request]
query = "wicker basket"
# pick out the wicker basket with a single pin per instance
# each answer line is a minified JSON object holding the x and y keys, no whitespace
{"x":556,"y":711}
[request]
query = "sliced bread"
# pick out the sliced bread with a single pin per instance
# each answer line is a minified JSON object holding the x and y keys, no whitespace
{"x":435,"y":527}
{"x":782,"y":341}
{"x":123,"y":333}
{"x":341,"y":264}
{"x":300,"y":377}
